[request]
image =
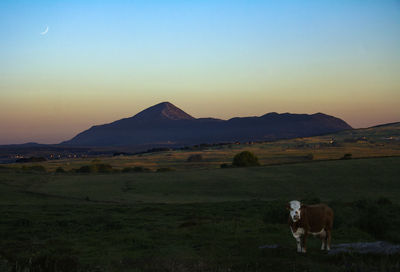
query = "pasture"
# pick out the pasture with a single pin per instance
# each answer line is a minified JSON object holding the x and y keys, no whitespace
{"x":328,"y":147}
{"x":195,"y":220}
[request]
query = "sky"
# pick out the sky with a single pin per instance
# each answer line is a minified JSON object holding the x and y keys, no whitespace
{"x":101,"y":61}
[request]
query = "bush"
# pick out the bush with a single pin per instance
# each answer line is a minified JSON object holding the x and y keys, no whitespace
{"x":244,"y":159}
{"x":384,"y":201}
{"x":346,"y":156}
{"x":225,"y":165}
{"x":60,"y":170}
{"x":309,"y":157}
{"x":195,"y":158}
{"x":127,"y":169}
{"x":95,"y":168}
{"x":104,"y":168}
{"x":87,"y":169}
{"x":165,"y":169}
{"x":136,"y":169}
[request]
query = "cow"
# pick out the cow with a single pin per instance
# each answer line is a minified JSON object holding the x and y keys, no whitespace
{"x":310,"y":219}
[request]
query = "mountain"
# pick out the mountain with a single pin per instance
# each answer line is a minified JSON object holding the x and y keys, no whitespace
{"x":162,"y":111}
{"x":29,"y":144}
{"x":165,"y":124}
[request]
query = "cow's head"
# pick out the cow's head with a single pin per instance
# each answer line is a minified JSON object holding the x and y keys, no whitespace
{"x":294,"y":209}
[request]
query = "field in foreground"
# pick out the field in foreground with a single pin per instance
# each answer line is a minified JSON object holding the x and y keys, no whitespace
{"x":198,"y":220}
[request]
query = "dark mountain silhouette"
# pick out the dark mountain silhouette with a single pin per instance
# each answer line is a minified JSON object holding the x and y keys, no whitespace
{"x":162,"y":111}
{"x":165,"y":124}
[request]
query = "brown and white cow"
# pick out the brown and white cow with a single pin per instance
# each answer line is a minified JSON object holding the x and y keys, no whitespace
{"x":310,"y":219}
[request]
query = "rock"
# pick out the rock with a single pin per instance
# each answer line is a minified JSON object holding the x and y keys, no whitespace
{"x":379,"y":247}
{"x":268,"y":246}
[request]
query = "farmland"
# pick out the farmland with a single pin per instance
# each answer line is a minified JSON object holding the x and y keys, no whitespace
{"x":198,"y":216}
{"x":362,"y":143}
{"x":193,"y":220}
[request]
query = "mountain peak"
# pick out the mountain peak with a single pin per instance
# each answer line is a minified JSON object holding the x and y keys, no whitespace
{"x":165,"y":124}
{"x":163,"y":111}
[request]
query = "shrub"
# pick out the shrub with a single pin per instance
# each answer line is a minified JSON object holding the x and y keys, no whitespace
{"x":126,"y":169}
{"x":104,"y":168}
{"x":165,"y":169}
{"x":225,"y":165}
{"x":95,"y":168}
{"x":245,"y":158}
{"x":60,"y":170}
{"x":346,"y":156}
{"x":384,"y":201}
{"x":140,"y":169}
{"x":87,"y":169}
{"x":195,"y":158}
{"x":136,"y":169}
{"x":309,"y":157}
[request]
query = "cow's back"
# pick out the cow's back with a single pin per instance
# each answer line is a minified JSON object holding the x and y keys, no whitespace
{"x":319,"y":217}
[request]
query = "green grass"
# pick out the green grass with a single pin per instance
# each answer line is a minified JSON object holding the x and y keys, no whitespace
{"x":195,"y":220}
{"x":351,"y":179}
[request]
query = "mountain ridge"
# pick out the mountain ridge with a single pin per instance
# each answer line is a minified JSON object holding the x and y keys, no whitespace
{"x":166,"y":123}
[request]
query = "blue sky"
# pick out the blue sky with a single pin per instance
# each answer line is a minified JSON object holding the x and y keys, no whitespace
{"x":105,"y":60}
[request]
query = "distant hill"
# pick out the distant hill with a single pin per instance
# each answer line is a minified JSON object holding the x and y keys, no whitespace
{"x":379,"y":133}
{"x":30,"y":144}
{"x":165,"y":124}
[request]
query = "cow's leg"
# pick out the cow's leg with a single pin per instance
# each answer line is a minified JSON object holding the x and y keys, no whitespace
{"x":303,"y":244}
{"x":297,"y":236}
{"x":298,"y":241}
{"x":323,"y":237}
{"x":328,"y":239}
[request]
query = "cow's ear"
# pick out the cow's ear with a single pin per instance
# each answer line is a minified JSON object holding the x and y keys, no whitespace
{"x":303,"y":206}
{"x":287,"y":207}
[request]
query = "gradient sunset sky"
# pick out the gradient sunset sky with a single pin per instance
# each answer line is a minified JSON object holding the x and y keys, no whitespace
{"x":105,"y":60}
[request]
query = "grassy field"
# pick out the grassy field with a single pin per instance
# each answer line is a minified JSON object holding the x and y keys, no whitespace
{"x":195,"y":220}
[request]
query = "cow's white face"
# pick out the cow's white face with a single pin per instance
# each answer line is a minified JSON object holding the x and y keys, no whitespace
{"x":294,"y":208}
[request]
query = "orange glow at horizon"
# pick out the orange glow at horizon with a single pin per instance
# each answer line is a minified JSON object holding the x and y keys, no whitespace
{"x":56,"y":119}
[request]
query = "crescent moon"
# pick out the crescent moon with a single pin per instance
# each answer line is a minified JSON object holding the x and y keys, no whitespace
{"x":44,"y":32}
